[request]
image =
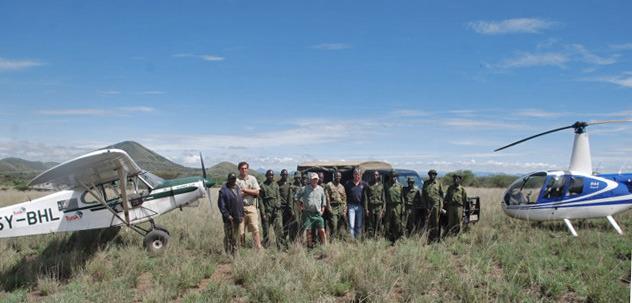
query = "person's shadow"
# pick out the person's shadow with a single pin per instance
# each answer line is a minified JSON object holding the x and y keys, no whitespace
{"x":60,"y":259}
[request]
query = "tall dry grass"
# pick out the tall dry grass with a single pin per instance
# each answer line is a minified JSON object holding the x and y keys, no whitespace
{"x":498,"y":259}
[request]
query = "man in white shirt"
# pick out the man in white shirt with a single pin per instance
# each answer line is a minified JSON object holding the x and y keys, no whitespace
{"x":249,"y":191}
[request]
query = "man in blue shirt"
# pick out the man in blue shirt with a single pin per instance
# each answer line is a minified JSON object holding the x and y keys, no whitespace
{"x":356,"y":195}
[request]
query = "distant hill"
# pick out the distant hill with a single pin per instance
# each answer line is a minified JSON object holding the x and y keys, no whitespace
{"x":20,"y":170}
{"x":17,"y":165}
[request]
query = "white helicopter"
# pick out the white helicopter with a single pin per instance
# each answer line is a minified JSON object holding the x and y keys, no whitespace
{"x":103,"y":189}
{"x":570,"y":194}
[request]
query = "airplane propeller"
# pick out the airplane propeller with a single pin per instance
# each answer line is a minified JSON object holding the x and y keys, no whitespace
{"x":206,"y":183}
{"x":579,"y":126}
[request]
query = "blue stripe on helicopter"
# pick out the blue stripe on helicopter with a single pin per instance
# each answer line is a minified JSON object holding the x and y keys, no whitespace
{"x":568,"y":206}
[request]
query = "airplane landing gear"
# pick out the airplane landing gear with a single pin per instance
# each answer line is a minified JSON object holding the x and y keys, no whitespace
{"x":156,"y":241}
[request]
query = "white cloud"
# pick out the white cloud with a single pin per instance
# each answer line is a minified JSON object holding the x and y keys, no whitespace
{"x":518,"y":25}
{"x":151,"y":92}
{"x":482,"y":123}
{"x":526,"y":59}
{"x":38,"y":151}
{"x":536,"y":113}
{"x":96,"y":111}
{"x":109,"y":92}
{"x":205,"y":57}
{"x":14,"y":65}
{"x":624,"y":79}
{"x":624,"y":46}
{"x":589,"y":57}
{"x":332,"y":46}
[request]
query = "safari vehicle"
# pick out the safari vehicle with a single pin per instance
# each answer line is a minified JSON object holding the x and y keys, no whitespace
{"x":329,"y":168}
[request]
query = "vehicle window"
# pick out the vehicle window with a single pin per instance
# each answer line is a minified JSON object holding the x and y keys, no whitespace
{"x":88,"y":198}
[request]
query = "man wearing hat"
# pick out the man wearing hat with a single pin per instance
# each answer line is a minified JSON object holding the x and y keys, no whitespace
{"x":271,"y":212}
{"x":374,"y":205}
{"x":296,"y":220}
{"x":313,"y":201}
{"x":285,"y":192}
{"x":455,"y":200}
{"x":231,"y":207}
{"x":394,"y":208}
{"x":337,"y":198}
{"x":414,"y":214}
{"x":432,"y":198}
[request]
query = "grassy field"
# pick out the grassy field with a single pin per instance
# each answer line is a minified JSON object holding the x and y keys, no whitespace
{"x":499,"y":259}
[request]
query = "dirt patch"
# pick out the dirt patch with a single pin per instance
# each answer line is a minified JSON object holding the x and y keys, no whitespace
{"x":144,"y":283}
{"x":347,"y":297}
{"x":223,"y":273}
{"x":35,"y":296}
{"x":570,"y":297}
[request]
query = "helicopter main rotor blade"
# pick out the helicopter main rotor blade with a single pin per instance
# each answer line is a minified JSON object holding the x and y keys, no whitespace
{"x":535,"y":136}
{"x":608,"y":121}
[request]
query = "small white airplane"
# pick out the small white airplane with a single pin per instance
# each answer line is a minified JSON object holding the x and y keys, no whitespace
{"x":103,"y":189}
{"x":570,"y":194}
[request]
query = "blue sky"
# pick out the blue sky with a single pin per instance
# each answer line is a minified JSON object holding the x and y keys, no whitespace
{"x":422,"y":85}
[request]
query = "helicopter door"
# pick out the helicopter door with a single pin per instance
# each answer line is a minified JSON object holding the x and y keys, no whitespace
{"x":553,"y":189}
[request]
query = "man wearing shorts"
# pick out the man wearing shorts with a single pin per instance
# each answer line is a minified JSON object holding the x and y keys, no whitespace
{"x":313,"y":202}
{"x":249,"y":191}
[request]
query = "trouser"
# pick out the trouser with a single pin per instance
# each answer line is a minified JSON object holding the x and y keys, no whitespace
{"x":335,"y":221}
{"x":394,"y":223}
{"x":454,"y":218}
{"x":273,"y":217}
{"x":374,"y":220}
{"x":290,"y":225}
{"x":231,"y":237}
{"x":434,"y":229}
{"x":356,"y":218}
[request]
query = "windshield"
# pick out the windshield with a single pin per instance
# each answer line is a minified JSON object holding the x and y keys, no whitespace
{"x":151,"y":179}
{"x":525,"y":190}
{"x":403,"y":178}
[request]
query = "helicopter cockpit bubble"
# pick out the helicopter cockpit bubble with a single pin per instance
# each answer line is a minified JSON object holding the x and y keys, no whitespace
{"x":525,"y":189}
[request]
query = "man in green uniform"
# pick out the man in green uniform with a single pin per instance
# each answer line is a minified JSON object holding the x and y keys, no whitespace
{"x":394,"y":208}
{"x":271,"y":212}
{"x":337,"y":206}
{"x":285,"y":194}
{"x":432,"y":197}
{"x":374,"y":205}
{"x":455,"y":200}
{"x":412,"y":207}
{"x":296,"y":210}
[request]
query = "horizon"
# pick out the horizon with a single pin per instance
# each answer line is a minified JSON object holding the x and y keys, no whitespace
{"x":419,"y":85}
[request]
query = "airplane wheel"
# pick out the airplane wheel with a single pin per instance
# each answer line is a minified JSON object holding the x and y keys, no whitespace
{"x":160,"y":227}
{"x":156,"y":241}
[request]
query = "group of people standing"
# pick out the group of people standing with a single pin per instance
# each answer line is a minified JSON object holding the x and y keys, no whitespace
{"x":306,"y":208}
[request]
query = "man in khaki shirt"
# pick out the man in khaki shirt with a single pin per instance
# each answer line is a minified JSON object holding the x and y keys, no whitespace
{"x":249,"y":191}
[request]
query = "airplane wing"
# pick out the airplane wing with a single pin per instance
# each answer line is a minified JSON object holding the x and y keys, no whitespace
{"x":94,"y":168}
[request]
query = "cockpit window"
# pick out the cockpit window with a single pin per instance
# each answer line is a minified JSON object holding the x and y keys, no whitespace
{"x":525,"y":190}
{"x":575,"y":186}
{"x":554,"y":187}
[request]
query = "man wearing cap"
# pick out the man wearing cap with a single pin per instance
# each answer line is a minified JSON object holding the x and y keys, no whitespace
{"x":394,"y":208}
{"x":296,"y":221}
{"x":271,"y":212}
{"x":413,"y":208}
{"x":455,"y":200}
{"x":313,"y":201}
{"x":231,"y":207}
{"x":249,"y":191}
{"x":432,"y":197}
{"x":356,"y":196}
{"x":337,"y":198}
{"x":374,"y":205}
{"x":285,"y":191}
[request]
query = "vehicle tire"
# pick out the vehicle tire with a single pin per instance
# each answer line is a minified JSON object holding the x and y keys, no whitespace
{"x":160,"y":227}
{"x":156,"y":241}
